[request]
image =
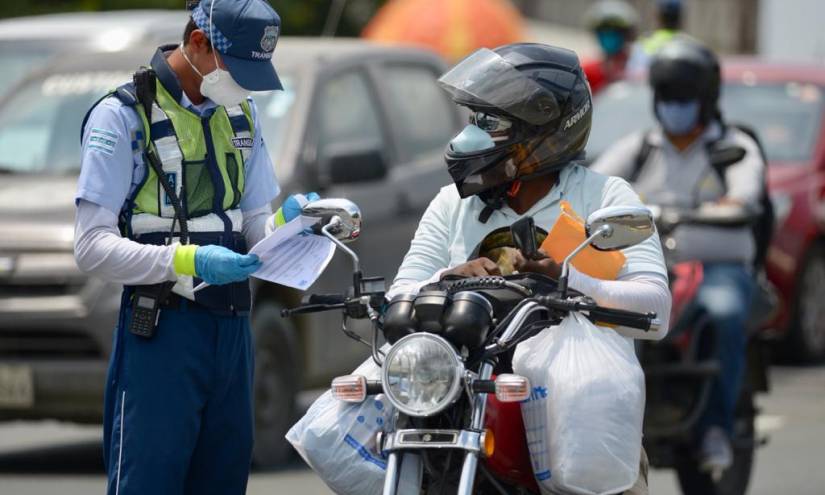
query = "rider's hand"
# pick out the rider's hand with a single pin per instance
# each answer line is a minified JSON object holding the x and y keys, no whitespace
{"x":217,"y":265}
{"x":479,"y":267}
{"x":545,"y":266}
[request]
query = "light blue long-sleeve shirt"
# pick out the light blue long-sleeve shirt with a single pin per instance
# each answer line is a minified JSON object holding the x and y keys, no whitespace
{"x":112,"y":167}
{"x":112,"y":163}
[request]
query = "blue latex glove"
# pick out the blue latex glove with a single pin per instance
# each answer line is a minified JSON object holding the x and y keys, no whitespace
{"x":217,"y":265}
{"x":291,"y":207}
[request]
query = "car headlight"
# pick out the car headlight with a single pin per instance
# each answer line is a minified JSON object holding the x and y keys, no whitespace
{"x":422,"y":374}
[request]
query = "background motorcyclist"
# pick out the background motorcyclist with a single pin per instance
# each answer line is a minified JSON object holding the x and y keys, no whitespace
{"x":530,"y":119}
{"x":614,"y":23}
{"x":673,"y":165}
{"x":669,"y":14}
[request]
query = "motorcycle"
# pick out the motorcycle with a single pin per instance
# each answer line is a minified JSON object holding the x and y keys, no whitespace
{"x":680,"y":369}
{"x":461,"y":430}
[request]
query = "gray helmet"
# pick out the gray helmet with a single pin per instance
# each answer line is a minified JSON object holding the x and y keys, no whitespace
{"x":612,"y":14}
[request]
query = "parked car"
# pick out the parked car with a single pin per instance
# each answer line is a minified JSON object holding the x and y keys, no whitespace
{"x":784,"y":104}
{"x":355,"y":120}
{"x":28,"y":43}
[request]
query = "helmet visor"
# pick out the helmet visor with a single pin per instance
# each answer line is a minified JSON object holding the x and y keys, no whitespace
{"x":485,"y":79}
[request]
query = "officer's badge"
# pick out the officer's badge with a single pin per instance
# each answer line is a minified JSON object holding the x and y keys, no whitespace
{"x":270,"y":38}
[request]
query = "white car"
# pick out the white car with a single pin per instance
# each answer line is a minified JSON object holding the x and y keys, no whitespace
{"x":27,"y":43}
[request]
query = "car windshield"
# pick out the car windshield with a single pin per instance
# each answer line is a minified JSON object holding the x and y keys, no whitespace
{"x":17,"y":58}
{"x":40,"y":123}
{"x":275,"y":111}
{"x":786,"y":116}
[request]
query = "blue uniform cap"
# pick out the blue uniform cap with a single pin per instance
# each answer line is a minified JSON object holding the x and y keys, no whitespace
{"x":669,"y":4}
{"x":245,"y":33}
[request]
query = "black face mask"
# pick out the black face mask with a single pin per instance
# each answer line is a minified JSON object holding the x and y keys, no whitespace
{"x":478,"y":171}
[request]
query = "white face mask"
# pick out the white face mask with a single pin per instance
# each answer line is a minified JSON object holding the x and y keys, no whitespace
{"x":218,"y":85}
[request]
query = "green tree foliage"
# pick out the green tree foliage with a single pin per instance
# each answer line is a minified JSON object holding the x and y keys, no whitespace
{"x":300,"y":17}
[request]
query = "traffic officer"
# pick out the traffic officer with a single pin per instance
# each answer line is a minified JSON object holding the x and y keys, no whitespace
{"x":176,"y":182}
{"x":669,"y":17}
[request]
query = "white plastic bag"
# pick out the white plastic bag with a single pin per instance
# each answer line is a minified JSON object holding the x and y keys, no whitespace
{"x":584,"y":418}
{"x":337,"y":440}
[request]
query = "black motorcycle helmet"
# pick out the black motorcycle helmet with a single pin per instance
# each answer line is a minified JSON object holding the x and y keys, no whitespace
{"x":685,"y":69}
{"x":535,"y":102}
{"x":670,"y":13}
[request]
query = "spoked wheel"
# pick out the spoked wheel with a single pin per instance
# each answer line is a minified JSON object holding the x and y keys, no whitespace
{"x":734,"y":481}
{"x":806,"y":342}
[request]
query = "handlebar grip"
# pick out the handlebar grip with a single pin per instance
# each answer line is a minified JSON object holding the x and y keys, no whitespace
{"x":641,"y":321}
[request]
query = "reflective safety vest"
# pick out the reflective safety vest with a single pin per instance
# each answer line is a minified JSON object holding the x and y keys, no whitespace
{"x":203,"y":158}
{"x":656,"y":40}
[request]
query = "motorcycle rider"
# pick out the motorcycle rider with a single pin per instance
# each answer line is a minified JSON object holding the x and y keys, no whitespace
{"x":671,"y":166}
{"x":530,"y":119}
{"x":669,"y":16}
{"x":614,"y":24}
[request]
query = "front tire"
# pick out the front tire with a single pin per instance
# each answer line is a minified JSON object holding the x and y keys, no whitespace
{"x":735,"y":480}
{"x":806,"y":340}
{"x":276,"y":384}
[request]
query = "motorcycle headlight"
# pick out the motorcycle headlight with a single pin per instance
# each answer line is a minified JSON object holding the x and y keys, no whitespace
{"x":422,"y":374}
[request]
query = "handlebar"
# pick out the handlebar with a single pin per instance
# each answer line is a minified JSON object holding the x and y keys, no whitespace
{"x":642,"y":321}
{"x":714,"y":215}
{"x":325,"y":299}
{"x":311,"y":308}
{"x":365,"y":306}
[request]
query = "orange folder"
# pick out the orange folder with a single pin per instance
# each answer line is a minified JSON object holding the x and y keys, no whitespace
{"x":567,"y":234}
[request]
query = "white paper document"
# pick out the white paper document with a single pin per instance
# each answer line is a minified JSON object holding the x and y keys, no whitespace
{"x":292,"y":257}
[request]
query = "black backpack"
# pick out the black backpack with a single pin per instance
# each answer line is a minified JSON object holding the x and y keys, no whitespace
{"x":721,"y":157}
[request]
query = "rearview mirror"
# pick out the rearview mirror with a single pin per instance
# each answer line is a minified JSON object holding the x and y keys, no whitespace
{"x":610,"y":229}
{"x":620,"y":226}
{"x":340,"y":223}
{"x":348,"y":163}
{"x":347,"y":227}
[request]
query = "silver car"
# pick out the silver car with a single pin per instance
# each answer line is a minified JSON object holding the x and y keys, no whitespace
{"x":356,"y":120}
{"x":28,"y":43}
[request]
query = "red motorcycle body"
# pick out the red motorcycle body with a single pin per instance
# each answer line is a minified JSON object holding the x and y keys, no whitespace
{"x":685,"y":279}
{"x":510,"y":461}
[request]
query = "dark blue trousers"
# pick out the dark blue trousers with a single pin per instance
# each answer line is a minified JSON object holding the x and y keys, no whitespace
{"x":178,"y":412}
{"x":725,"y":295}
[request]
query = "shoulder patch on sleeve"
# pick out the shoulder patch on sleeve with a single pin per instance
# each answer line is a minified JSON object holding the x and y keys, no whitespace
{"x":102,"y":140}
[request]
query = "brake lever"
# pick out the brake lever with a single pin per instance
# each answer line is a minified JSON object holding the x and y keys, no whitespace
{"x":311,"y":308}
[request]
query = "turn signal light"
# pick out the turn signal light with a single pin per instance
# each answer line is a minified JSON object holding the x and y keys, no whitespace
{"x":488,"y":443}
{"x":512,"y":388}
{"x":350,"y":388}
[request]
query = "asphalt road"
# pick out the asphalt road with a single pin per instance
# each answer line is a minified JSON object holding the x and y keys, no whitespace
{"x":50,"y":458}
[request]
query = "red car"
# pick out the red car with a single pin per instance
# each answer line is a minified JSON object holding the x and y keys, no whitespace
{"x":784,"y":103}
